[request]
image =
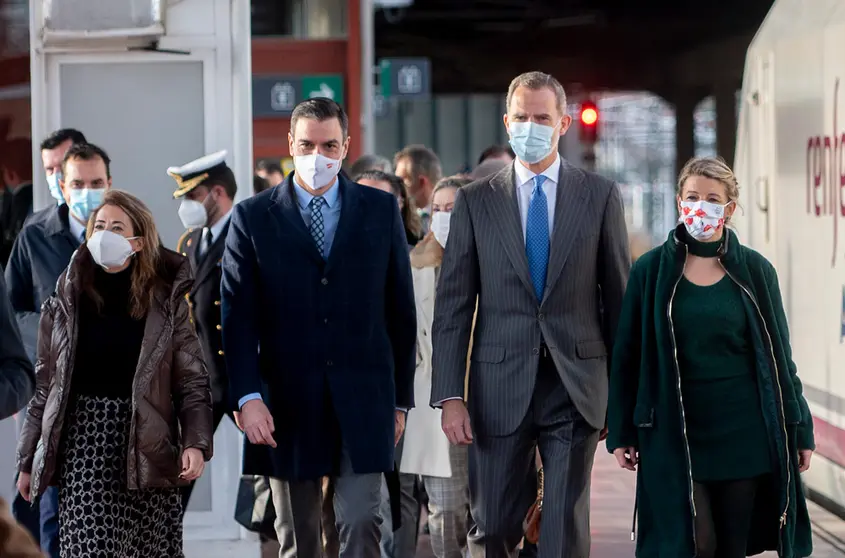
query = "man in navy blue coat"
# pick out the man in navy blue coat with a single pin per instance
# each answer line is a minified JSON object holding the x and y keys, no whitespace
{"x":318,"y":306}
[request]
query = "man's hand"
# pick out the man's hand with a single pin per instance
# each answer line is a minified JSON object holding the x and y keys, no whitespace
{"x":804,"y":457}
{"x":237,"y":416}
{"x":24,"y":480}
{"x":399,"y":423}
{"x":603,"y":434}
{"x":257,"y":423}
{"x":192,"y":464}
{"x":455,"y":422}
{"x":626,"y":458}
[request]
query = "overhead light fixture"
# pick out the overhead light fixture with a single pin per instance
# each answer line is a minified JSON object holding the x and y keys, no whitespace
{"x":392,"y":3}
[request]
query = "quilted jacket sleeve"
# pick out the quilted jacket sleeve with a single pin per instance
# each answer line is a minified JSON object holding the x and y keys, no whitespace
{"x":191,"y":384}
{"x":44,"y":370}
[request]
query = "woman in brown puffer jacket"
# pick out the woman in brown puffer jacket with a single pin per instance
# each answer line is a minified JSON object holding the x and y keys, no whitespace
{"x":121,"y":417}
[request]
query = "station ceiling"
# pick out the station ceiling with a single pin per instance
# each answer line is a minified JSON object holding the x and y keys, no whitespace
{"x":477,"y":46}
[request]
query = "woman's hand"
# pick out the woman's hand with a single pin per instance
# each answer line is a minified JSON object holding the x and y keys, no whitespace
{"x":804,"y":457}
{"x":626,"y":457}
{"x":24,"y":480}
{"x":193,"y":464}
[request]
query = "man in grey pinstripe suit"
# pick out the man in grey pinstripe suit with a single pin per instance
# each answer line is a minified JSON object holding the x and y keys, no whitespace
{"x":543,"y":248}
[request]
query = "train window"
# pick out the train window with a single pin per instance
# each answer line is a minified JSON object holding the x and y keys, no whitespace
{"x":307,"y":19}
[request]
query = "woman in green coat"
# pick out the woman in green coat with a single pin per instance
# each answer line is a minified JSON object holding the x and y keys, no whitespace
{"x":705,"y":402}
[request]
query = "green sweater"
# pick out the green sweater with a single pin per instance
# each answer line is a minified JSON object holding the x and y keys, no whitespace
{"x":725,"y":427}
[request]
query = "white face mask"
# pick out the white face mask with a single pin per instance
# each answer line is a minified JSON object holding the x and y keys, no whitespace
{"x":109,"y":249}
{"x":702,"y":219}
{"x":440,"y":226}
{"x":193,"y":214}
{"x":316,"y":171}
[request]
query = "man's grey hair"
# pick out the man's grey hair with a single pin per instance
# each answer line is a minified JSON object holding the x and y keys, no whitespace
{"x":370,"y":162}
{"x":424,"y":162}
{"x":536,"y":81}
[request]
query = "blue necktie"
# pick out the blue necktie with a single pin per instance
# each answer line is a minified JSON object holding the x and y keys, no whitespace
{"x":537,"y":237}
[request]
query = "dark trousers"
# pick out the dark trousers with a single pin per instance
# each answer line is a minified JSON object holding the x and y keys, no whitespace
{"x":219,"y":411}
{"x":28,"y":515}
{"x":40,"y":518}
{"x":724,"y":511}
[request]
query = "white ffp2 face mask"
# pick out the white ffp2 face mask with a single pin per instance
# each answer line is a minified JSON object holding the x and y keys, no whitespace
{"x":109,"y":249}
{"x":316,"y":170}
{"x":440,"y":226}
{"x":192,"y":214}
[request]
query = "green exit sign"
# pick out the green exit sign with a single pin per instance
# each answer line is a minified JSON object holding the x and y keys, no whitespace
{"x":329,"y":85}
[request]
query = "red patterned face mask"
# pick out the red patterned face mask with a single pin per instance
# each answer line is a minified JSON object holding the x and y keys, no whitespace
{"x":702,"y":219}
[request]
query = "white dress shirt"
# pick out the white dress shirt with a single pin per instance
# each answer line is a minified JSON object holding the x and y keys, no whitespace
{"x":216,"y":231}
{"x":77,"y":229}
{"x":524,"y":180}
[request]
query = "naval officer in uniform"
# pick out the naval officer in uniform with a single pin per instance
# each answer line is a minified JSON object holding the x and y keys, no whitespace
{"x":207,"y":189}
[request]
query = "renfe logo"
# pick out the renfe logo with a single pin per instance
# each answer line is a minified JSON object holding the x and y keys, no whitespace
{"x":826,"y":174}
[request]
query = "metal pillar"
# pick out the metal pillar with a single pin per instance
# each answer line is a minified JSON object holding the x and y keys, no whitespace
{"x":368,"y":128}
{"x":684,"y":128}
{"x":726,"y":122}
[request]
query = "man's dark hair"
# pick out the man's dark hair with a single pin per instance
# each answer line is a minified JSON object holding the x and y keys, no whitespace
{"x":320,"y":109}
{"x":226,"y":179}
{"x":496,"y":151}
{"x":259,"y":184}
{"x":61,"y":136}
{"x":268,"y":166}
{"x":86,"y":152}
{"x":424,"y":162}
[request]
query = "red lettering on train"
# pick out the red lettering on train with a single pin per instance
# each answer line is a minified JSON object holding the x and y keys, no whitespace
{"x":825,"y":169}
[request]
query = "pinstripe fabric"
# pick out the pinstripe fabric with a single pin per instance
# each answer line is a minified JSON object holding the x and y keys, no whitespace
{"x":447,"y":503}
{"x":587,"y":272}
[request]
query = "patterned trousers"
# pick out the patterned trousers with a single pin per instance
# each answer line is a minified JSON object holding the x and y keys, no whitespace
{"x":448,"y":500}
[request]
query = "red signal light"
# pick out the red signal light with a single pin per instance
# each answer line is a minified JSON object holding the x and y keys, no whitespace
{"x":589,"y":114}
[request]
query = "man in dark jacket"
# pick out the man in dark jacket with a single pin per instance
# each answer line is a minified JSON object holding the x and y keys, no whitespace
{"x":41,"y":252}
{"x":17,"y":377}
{"x":207,"y":189}
{"x":16,"y":205}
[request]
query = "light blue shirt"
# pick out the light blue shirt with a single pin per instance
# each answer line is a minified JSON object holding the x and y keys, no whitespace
{"x":331,"y":217}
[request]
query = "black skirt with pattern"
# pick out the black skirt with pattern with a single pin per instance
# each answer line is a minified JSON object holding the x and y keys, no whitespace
{"x":99,"y":517}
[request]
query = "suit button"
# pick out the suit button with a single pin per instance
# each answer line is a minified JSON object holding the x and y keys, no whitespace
{"x":324,"y":281}
{"x":536,"y":351}
{"x":220,"y":353}
{"x":329,"y":363}
{"x":217,"y":303}
{"x":219,"y":327}
{"x":325,"y":320}
{"x":541,"y":316}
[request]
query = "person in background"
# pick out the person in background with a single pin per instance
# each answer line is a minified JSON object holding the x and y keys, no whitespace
{"x":41,"y":253}
{"x":53,"y":150}
{"x":17,"y":384}
{"x":488,"y":168}
{"x":134,"y":425}
{"x":16,"y":204}
{"x":497,"y":153}
{"x":370,"y":162}
{"x":207,"y":188}
{"x":270,"y":171}
{"x":420,"y":168}
{"x":529,"y":252}
{"x":428,"y":454}
{"x":399,"y":538}
{"x":259,"y":184}
{"x":317,"y":276}
{"x":704,"y":395}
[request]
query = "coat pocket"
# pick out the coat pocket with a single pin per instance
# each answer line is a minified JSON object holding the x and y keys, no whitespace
{"x":590,"y":349}
{"x":644,"y":416}
{"x":792,"y":411}
{"x":491,"y":354}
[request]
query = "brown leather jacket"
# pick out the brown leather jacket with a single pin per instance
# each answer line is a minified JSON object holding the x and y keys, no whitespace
{"x":171,"y":396}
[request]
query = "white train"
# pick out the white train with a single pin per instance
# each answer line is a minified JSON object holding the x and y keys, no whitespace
{"x":790,"y":161}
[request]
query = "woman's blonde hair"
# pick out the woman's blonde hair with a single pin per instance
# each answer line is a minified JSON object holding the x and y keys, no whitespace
{"x":145,"y":269}
{"x":714,"y":168}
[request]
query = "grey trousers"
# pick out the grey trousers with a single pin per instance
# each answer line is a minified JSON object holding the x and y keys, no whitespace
{"x":402,"y":542}
{"x":448,"y":499}
{"x":356,"y":507}
{"x":502,"y":488}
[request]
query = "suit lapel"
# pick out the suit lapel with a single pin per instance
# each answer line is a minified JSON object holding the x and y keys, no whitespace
{"x":211,"y":259}
{"x":191,"y":248}
{"x":286,"y":211}
{"x":570,"y":203}
{"x":350,"y":219}
{"x":504,"y":210}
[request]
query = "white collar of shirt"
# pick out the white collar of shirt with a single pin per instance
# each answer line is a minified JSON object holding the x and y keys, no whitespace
{"x":217,"y":229}
{"x":304,"y":198}
{"x":77,"y":229}
{"x":525,"y":187}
